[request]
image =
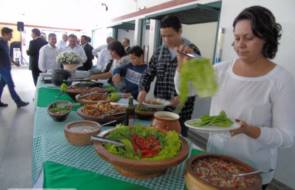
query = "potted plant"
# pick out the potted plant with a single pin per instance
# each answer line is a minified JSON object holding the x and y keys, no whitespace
{"x":69,"y":60}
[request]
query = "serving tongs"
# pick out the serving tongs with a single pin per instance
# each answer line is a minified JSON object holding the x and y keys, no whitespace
{"x":190,"y":55}
{"x":252,"y":173}
{"x":105,"y":140}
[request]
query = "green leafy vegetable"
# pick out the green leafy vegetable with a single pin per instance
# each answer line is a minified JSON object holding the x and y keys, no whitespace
{"x":59,"y":109}
{"x":199,"y":73}
{"x":110,"y":88}
{"x":114,"y":96}
{"x":63,"y":87}
{"x":171,"y":146}
{"x":170,"y":142}
{"x":220,"y":120}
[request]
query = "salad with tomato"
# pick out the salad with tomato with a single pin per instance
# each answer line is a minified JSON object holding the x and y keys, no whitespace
{"x":146,"y":143}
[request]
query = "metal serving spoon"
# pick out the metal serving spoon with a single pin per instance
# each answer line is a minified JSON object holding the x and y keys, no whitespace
{"x":252,"y":173}
{"x":104,"y":140}
{"x":107,"y":123}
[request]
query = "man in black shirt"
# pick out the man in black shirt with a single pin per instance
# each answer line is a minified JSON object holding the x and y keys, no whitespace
{"x":33,"y":52}
{"x":85,"y":40}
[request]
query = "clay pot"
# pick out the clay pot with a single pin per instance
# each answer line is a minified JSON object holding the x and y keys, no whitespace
{"x":60,"y":116}
{"x":82,"y":136}
{"x":166,"y":121}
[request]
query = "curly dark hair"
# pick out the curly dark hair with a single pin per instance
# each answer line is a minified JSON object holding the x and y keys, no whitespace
{"x":117,"y":47}
{"x":264,"y":26}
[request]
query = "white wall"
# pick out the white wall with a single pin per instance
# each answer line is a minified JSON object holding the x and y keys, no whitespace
{"x":126,"y":34}
{"x":203,"y":36}
{"x":100,"y":35}
{"x":285,"y":14}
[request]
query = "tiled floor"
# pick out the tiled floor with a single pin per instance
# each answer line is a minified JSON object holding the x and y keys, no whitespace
{"x":16,"y":127}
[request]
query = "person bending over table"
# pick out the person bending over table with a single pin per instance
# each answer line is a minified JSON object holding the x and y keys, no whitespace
{"x":118,"y":58}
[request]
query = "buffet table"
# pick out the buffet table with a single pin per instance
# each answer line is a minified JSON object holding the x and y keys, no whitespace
{"x":62,"y":165}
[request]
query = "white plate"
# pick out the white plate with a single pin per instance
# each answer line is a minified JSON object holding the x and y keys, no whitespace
{"x":211,"y":128}
{"x":162,"y":103}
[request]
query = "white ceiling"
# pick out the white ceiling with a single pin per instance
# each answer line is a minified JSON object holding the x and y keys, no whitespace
{"x":73,"y":14}
{"x":78,"y":14}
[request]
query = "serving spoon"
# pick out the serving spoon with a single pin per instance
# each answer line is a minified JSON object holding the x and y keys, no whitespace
{"x":252,"y":173}
{"x":105,"y":140}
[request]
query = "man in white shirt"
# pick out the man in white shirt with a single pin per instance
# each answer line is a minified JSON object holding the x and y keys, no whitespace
{"x":62,"y":45}
{"x":103,"y":55}
{"x":48,"y":54}
{"x":76,"y":48}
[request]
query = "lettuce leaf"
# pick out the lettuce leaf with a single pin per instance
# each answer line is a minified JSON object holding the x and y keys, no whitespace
{"x":200,"y":73}
{"x":170,"y":142}
{"x":220,"y":120}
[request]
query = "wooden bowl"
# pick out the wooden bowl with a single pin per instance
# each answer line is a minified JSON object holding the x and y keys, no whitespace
{"x":74,"y":90}
{"x":193,"y":182}
{"x":79,"y":132}
{"x":104,"y":117}
{"x":86,"y":99}
{"x":59,"y":116}
{"x":141,"y":169}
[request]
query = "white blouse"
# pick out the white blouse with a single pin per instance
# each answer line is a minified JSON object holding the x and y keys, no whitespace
{"x":265,"y":102}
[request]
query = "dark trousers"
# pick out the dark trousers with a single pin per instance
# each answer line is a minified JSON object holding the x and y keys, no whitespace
{"x":6,"y":79}
{"x":35,"y":74}
{"x":185,"y":114}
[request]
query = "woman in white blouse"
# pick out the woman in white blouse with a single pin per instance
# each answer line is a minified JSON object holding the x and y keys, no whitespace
{"x":256,"y":92}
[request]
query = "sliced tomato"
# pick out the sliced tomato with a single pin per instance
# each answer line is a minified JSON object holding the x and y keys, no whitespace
{"x":147,"y":147}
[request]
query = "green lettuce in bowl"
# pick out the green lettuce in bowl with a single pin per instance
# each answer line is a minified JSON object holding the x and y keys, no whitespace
{"x":151,"y":143}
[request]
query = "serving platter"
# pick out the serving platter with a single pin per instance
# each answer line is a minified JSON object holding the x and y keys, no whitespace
{"x":210,"y":128}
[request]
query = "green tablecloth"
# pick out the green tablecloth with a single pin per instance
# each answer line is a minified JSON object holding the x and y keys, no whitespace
{"x":46,"y":96}
{"x":68,"y":166}
{"x":60,"y":176}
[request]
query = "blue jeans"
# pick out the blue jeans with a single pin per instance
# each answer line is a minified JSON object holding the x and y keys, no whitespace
{"x":6,"y":78}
